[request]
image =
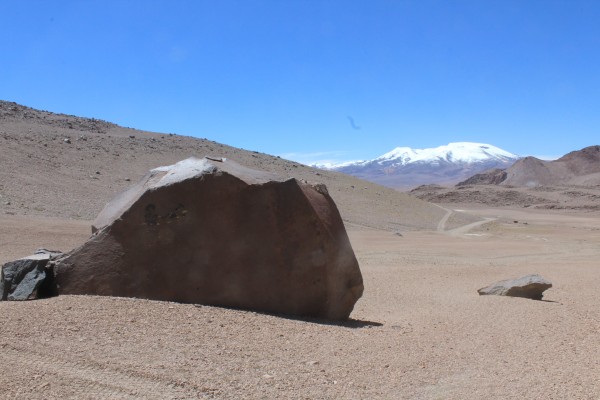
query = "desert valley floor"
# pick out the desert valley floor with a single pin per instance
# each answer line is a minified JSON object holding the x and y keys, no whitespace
{"x":420,"y":331}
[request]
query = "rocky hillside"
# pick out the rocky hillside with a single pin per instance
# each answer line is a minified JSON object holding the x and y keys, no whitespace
{"x":580,"y":167}
{"x":491,"y":177}
{"x":65,"y":166}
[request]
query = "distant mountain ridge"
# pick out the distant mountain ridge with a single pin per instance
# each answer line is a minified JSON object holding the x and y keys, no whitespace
{"x":404,"y":167}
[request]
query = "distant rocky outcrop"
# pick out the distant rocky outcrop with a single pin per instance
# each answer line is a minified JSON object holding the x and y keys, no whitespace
{"x":531,"y":172}
{"x":491,"y":177}
{"x":211,"y":231}
{"x":530,"y":286}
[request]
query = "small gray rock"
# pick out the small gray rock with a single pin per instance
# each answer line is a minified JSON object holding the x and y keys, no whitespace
{"x":22,"y":278}
{"x":530,"y":286}
{"x":28,"y":278}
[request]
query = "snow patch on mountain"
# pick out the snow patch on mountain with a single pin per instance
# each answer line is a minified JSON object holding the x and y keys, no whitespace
{"x":453,"y":153}
{"x":405,"y":168}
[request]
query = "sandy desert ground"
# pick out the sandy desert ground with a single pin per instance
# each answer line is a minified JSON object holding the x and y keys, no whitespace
{"x":421,"y":331}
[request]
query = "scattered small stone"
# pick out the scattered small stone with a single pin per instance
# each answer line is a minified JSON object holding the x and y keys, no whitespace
{"x":398,"y":234}
{"x":67,"y":140}
{"x":97,"y":172}
{"x":131,"y":136}
{"x":127,"y":180}
{"x":529,"y":286}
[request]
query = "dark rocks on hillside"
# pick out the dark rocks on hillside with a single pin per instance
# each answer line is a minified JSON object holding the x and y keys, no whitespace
{"x":213,"y":232}
{"x":14,"y":111}
{"x":530,"y":286}
{"x":491,"y":177}
{"x":29,"y":278}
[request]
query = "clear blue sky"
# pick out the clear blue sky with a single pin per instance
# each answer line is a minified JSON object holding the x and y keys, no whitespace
{"x":283,"y":76}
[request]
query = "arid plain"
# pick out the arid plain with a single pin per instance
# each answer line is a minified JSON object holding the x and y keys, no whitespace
{"x":420,"y":331}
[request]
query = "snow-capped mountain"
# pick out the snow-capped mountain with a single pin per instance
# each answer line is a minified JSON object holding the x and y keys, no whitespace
{"x":405,"y":168}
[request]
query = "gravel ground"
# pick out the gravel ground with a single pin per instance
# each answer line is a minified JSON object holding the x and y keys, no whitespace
{"x":420,"y":331}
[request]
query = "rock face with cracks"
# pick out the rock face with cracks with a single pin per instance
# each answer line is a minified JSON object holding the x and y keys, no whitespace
{"x":28,"y":278}
{"x":530,"y":286}
{"x":213,"y":232}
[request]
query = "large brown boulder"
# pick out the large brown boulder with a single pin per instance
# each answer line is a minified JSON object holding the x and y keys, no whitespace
{"x":210,"y":231}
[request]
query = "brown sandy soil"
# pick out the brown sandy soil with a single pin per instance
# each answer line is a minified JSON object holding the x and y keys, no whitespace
{"x":420,"y":332}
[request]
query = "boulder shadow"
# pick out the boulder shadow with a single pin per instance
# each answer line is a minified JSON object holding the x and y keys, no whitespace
{"x":549,"y":301}
{"x":349,"y":323}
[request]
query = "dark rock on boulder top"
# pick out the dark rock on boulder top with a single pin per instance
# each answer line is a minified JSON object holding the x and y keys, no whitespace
{"x":530,"y":286}
{"x":211,"y":231}
{"x":29,"y":278}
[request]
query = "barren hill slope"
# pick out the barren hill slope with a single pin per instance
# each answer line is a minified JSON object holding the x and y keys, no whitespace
{"x":66,"y":166}
{"x":580,"y":167}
